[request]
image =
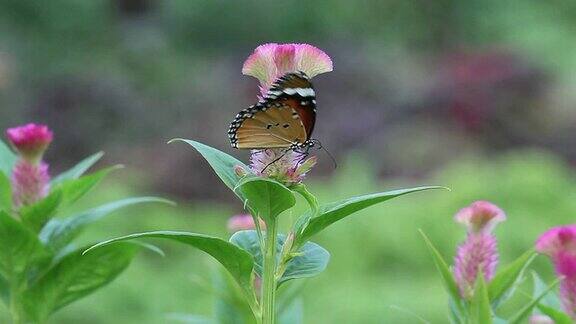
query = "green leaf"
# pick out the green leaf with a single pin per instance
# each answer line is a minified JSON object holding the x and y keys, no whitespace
{"x":19,"y":247}
{"x":550,"y":304}
{"x":189,"y":319}
{"x":265,"y":198}
{"x":7,"y":159}
{"x":234,"y":259}
{"x":480,"y":311}
{"x":336,"y":211}
{"x":4,"y":290}
{"x":526,"y":310}
{"x":59,"y":232}
{"x":36,"y":215}
{"x":309,"y":260}
{"x":445,"y":274}
{"x":5,"y":193}
{"x":222,"y":163}
{"x":78,"y":170}
{"x":75,"y":189}
{"x":77,"y":275}
{"x":558,"y":316}
{"x":503,"y":284}
{"x":540,"y":286}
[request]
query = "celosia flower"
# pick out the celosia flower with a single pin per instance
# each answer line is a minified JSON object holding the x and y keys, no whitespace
{"x":479,"y":251}
{"x":288,"y":167}
{"x":30,"y":140}
{"x":243,"y":222}
{"x":559,"y":244}
{"x":30,"y":178}
{"x":271,"y":61}
{"x":30,"y":182}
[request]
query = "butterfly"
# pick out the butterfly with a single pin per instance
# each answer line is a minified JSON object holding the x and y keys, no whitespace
{"x":284,"y":118}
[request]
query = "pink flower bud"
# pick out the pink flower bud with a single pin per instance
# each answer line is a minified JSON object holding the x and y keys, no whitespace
{"x":30,"y":140}
{"x":288,"y":168}
{"x":479,"y":251}
{"x":243,"y":222}
{"x":559,"y":243}
{"x":271,"y":61}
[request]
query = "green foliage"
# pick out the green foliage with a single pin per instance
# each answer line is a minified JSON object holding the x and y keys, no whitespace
{"x":78,"y":170}
{"x":549,"y":304}
{"x":19,"y":247}
{"x":7,"y":159}
{"x":308,"y":261}
{"x":40,"y":269}
{"x":502,"y":285}
{"x":59,"y":232}
{"x":336,"y":211}
{"x":223,"y":164}
{"x":480,"y":310}
{"x":36,"y":215}
{"x":5,"y":193}
{"x":525,"y":311}
{"x":75,"y":276}
{"x":265,"y":198}
{"x":237,"y":261}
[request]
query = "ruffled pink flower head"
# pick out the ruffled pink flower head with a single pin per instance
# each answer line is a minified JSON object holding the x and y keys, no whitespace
{"x":30,"y":140}
{"x":288,"y":168}
{"x":243,"y":222}
{"x":480,"y":216}
{"x":271,"y":61}
{"x":557,"y":240}
{"x":479,"y":252}
{"x":559,"y":243}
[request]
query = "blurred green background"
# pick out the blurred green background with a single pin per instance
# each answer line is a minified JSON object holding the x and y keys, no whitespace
{"x":478,"y":96}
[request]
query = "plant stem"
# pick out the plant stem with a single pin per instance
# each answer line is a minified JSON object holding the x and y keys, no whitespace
{"x":269,"y":280}
{"x":15,"y":310}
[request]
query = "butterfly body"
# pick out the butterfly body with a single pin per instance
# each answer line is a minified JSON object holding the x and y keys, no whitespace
{"x":284,"y":118}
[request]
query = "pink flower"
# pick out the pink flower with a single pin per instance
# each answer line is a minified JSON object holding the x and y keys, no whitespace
{"x":243,"y":222}
{"x":271,"y":61}
{"x":540,"y":319}
{"x":559,"y":243}
{"x":30,"y":182}
{"x":480,"y":216}
{"x":479,"y":251}
{"x":288,"y":168}
{"x":30,"y":140}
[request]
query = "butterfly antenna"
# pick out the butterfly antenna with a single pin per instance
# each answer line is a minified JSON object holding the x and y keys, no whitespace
{"x":275,"y":160}
{"x":320,"y":146}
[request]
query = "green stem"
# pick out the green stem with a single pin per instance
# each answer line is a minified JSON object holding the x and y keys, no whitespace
{"x":269,"y":280}
{"x":15,"y":307}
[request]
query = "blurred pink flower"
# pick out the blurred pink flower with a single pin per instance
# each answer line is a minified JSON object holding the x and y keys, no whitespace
{"x":480,"y":216}
{"x":30,"y":140}
{"x":479,"y":251}
{"x":559,"y":243}
{"x":243,"y":222}
{"x":288,"y":168}
{"x":271,"y":61}
{"x":30,"y":182}
{"x":540,"y":319}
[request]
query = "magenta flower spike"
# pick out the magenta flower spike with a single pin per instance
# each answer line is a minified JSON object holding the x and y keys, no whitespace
{"x":559,"y":243}
{"x":30,"y":177}
{"x":271,"y":61}
{"x":479,"y":251}
{"x":289,"y":167}
{"x":243,"y":222}
{"x":540,"y":319}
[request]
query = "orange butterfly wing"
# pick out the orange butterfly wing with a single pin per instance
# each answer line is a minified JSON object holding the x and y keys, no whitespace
{"x":286,"y":116}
